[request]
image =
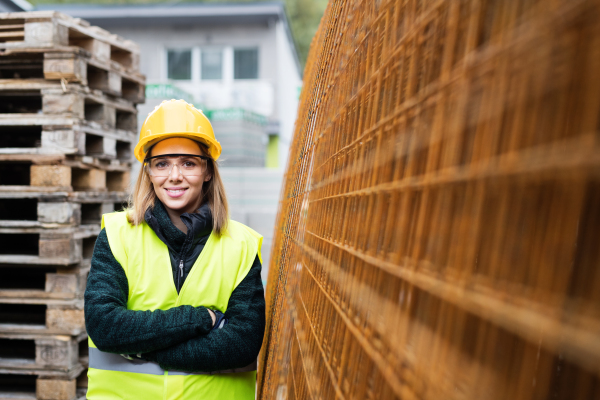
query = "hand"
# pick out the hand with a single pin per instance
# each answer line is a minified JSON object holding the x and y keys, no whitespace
{"x":212,"y":316}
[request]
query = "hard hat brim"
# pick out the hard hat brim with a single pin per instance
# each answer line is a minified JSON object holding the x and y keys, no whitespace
{"x":214,"y":147}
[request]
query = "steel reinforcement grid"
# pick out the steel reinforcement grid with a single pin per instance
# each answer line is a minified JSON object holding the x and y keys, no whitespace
{"x":439,"y":231}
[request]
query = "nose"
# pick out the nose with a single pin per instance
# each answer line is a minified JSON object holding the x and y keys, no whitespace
{"x":175,"y":175}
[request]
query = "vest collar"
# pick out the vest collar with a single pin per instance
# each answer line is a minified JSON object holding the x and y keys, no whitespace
{"x":199,"y":225}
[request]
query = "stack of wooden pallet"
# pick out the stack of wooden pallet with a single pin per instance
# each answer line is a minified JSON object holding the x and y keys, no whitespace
{"x":68,"y":95}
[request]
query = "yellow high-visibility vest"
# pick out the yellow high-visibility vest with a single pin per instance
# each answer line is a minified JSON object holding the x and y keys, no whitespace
{"x":222,"y":265}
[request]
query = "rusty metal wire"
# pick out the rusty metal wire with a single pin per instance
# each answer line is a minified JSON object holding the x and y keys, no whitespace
{"x":438,"y":231}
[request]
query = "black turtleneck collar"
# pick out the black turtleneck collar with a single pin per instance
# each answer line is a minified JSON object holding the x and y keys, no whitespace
{"x":199,"y":225}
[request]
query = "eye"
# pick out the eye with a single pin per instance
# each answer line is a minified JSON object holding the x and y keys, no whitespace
{"x":161,"y":164}
{"x":188,"y":164}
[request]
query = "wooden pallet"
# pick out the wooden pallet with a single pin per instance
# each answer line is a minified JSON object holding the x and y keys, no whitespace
{"x":32,"y":387}
{"x":20,"y":173}
{"x":72,"y":122}
{"x":41,"y":316}
{"x":97,"y":75}
{"x":118,"y":198}
{"x":49,"y":29}
{"x":71,"y":65}
{"x":68,"y":123}
{"x":54,"y":369}
{"x":39,"y":96}
{"x":76,"y":139}
{"x":53,"y":212}
{"x":50,"y":120}
{"x":34,"y":134}
{"x":41,"y":246}
{"x":49,"y":286}
{"x":50,"y":355}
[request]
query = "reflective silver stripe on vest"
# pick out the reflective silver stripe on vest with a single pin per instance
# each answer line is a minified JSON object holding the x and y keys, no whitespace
{"x":115,"y":362}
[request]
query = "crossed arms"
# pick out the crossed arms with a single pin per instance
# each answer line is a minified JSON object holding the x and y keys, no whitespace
{"x":179,"y":338}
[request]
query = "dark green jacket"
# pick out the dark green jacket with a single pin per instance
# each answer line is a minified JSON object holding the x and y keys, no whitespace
{"x":179,"y":338}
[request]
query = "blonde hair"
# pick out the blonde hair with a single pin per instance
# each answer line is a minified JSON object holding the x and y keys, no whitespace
{"x":213,"y":193}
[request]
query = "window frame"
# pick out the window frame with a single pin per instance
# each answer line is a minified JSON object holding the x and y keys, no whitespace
{"x":221,"y":50}
{"x":255,"y":48}
{"x":179,"y":49}
{"x":227,"y":63}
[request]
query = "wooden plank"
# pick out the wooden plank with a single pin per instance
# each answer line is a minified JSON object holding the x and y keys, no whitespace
{"x":60,"y":248}
{"x":50,"y":175}
{"x":13,"y":26}
{"x":34,"y":157}
{"x":11,"y":35}
{"x":67,"y":321}
{"x":54,"y":389}
{"x":29,"y":84}
{"x":91,"y":179}
{"x":99,"y":49}
{"x":118,"y":180}
{"x":45,"y":373}
{"x":65,"y":66}
{"x":59,"y":353}
{"x":63,"y":141}
{"x":73,"y":175}
{"x":59,"y":213}
{"x":66,"y":283}
{"x":30,"y":294}
{"x":64,"y":103}
{"x":35,"y":260}
{"x":46,"y":33}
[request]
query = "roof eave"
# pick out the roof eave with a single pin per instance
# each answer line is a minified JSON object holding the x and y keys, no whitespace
{"x":209,"y":14}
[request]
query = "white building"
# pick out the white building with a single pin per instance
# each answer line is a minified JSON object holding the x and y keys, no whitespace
{"x":226,"y":56}
{"x":239,"y":64}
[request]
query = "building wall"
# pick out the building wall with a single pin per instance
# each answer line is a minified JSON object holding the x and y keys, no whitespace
{"x":254,"y":95}
{"x":243,"y":143}
{"x":253,"y":195}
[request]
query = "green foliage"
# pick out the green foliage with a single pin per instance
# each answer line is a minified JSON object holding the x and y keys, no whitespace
{"x":304,"y":15}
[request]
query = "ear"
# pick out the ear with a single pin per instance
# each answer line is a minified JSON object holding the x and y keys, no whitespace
{"x":207,"y":178}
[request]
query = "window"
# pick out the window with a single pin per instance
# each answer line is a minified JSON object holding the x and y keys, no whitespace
{"x":245,"y":63}
{"x":179,"y":64}
{"x":212,"y":64}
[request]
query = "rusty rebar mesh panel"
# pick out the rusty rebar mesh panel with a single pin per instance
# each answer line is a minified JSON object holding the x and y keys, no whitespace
{"x":438,"y":235}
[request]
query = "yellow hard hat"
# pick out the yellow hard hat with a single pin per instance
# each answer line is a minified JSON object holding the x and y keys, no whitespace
{"x":176,"y":118}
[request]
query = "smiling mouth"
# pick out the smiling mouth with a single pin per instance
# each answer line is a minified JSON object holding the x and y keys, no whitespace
{"x":175,"y":192}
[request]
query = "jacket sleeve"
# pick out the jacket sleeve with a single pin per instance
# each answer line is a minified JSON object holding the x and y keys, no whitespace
{"x":115,"y":329}
{"x":235,"y":345}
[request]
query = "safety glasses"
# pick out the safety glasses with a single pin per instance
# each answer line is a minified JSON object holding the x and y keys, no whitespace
{"x":187,"y":164}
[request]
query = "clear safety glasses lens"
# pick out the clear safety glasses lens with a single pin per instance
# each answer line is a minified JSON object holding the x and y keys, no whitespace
{"x":187,"y":166}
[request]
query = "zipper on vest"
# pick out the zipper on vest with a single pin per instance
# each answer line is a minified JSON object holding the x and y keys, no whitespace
{"x":180,"y":275}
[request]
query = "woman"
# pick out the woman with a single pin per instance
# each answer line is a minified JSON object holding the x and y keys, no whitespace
{"x":174,"y":304}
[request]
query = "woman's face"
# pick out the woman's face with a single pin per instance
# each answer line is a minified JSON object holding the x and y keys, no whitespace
{"x":179,"y":191}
